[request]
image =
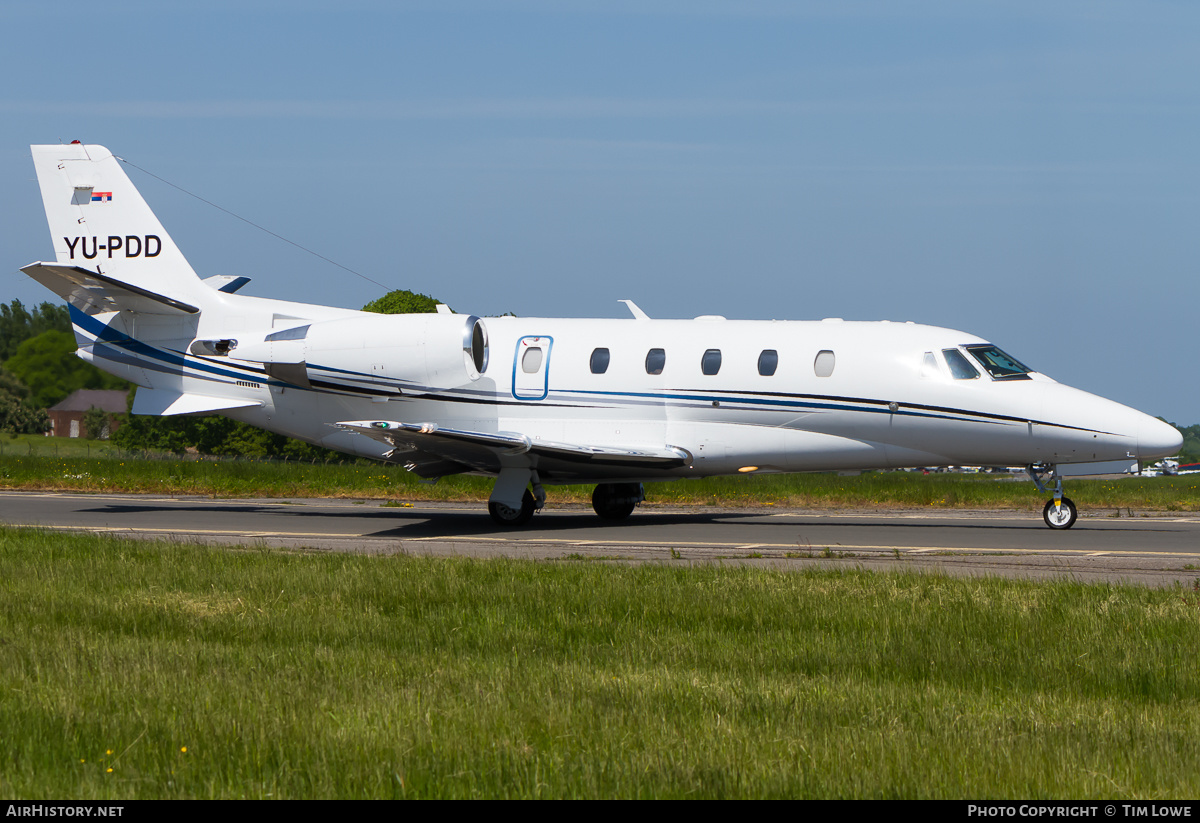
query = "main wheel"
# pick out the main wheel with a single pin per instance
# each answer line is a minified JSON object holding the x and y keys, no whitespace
{"x":616,"y":501}
{"x":507,"y":516}
{"x":1060,"y":517}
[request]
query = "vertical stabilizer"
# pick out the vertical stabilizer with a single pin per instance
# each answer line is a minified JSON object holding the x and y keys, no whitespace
{"x":99,"y":222}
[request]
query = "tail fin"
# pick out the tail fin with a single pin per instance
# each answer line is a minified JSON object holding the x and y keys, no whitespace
{"x":99,"y":222}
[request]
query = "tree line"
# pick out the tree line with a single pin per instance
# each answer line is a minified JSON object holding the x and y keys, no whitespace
{"x":39,"y":367}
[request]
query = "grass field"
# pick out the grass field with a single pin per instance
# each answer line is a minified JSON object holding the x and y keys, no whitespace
{"x":134,"y":669}
{"x":375,"y":480}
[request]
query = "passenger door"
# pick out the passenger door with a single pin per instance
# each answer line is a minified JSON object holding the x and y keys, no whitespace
{"x":531,"y":368}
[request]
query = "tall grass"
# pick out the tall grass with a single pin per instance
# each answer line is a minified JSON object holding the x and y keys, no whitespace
{"x":132,"y":669}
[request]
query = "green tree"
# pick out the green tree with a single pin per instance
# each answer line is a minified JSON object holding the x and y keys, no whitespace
{"x":21,"y":418}
{"x":18,"y":324}
{"x":401,"y":301}
{"x":48,"y":364}
{"x":97,"y":423}
{"x":16,"y":413}
{"x":9,"y":384}
{"x":150,"y":433}
{"x":1190,"y":451}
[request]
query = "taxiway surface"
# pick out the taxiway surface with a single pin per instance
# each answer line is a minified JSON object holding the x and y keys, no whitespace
{"x":1151,"y":550}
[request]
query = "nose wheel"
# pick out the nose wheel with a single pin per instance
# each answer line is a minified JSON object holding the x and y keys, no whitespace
{"x":1060,"y":514}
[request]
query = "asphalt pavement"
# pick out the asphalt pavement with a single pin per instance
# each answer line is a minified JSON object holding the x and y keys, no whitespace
{"x":1144,"y":548}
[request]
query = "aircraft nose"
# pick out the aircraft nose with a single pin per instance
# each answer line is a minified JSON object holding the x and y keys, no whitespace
{"x":1157,"y":439}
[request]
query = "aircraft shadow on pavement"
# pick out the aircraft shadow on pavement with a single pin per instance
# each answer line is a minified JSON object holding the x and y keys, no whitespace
{"x":475,"y":522}
{"x":406,"y":522}
{"x":472,"y":524}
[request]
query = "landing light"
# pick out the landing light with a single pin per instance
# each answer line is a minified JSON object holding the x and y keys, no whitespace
{"x":745,"y":469}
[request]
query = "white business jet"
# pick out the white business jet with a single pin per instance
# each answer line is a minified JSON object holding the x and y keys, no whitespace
{"x":536,"y":401}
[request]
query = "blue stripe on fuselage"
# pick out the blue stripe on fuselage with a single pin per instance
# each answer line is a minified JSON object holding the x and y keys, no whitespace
{"x":176,"y":360}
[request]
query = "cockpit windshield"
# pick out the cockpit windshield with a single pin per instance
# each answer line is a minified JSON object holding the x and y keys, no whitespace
{"x":998,"y":364}
{"x":960,"y":367}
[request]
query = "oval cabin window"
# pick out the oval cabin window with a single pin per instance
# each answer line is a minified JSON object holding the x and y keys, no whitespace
{"x":823,"y":365}
{"x":655,"y":360}
{"x":768,"y":362}
{"x":600,"y":361}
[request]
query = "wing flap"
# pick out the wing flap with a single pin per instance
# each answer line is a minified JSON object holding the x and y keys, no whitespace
{"x":482,"y":450}
{"x":95,"y":293}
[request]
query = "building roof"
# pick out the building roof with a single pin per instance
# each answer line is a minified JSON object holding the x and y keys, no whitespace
{"x":109,"y":400}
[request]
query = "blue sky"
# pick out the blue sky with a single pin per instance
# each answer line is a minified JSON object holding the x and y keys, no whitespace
{"x":1027,"y":172}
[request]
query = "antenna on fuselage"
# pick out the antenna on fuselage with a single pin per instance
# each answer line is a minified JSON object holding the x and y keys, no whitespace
{"x":637,"y":313}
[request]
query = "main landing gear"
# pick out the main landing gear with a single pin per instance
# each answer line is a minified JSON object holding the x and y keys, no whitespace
{"x":510,"y":484}
{"x":508,"y":516}
{"x":612,"y":501}
{"x":1059,"y":512}
{"x":616,"y":501}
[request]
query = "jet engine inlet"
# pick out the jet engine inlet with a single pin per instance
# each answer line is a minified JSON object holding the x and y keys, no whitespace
{"x":475,"y":347}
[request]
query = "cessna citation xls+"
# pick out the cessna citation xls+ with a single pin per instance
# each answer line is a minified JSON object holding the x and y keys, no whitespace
{"x":537,"y":401}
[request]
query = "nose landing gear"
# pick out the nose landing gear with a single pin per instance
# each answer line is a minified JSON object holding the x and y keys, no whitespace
{"x":1059,"y":512}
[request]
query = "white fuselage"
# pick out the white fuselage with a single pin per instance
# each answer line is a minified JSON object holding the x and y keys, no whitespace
{"x":880,"y":404}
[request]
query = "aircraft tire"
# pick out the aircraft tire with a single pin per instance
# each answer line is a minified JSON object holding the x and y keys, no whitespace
{"x":505,"y":516}
{"x":1064,"y":518}
{"x":616,"y":501}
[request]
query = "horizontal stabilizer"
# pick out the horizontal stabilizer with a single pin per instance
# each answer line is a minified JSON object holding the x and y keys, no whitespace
{"x":95,"y":293}
{"x":481,"y":450}
{"x":164,"y":403}
{"x":227,"y":283}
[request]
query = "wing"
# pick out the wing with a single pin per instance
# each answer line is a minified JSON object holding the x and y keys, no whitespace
{"x":431,"y":451}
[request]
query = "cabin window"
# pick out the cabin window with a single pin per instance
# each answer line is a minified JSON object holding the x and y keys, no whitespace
{"x":599,"y":361}
{"x":823,"y":365}
{"x":531,"y":360}
{"x":768,"y":362}
{"x":655,"y":360}
{"x":710,"y":363}
{"x":998,"y":364}
{"x":960,"y":367}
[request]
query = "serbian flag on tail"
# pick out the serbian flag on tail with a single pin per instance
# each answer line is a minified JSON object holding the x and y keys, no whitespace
{"x":102,"y":197}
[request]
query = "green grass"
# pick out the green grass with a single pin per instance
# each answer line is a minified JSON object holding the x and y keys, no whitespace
{"x":233,"y":478}
{"x":37,"y":445}
{"x":320,"y":675}
{"x":365,"y":479}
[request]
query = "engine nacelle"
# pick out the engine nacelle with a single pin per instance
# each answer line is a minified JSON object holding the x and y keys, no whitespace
{"x":390,"y":353}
